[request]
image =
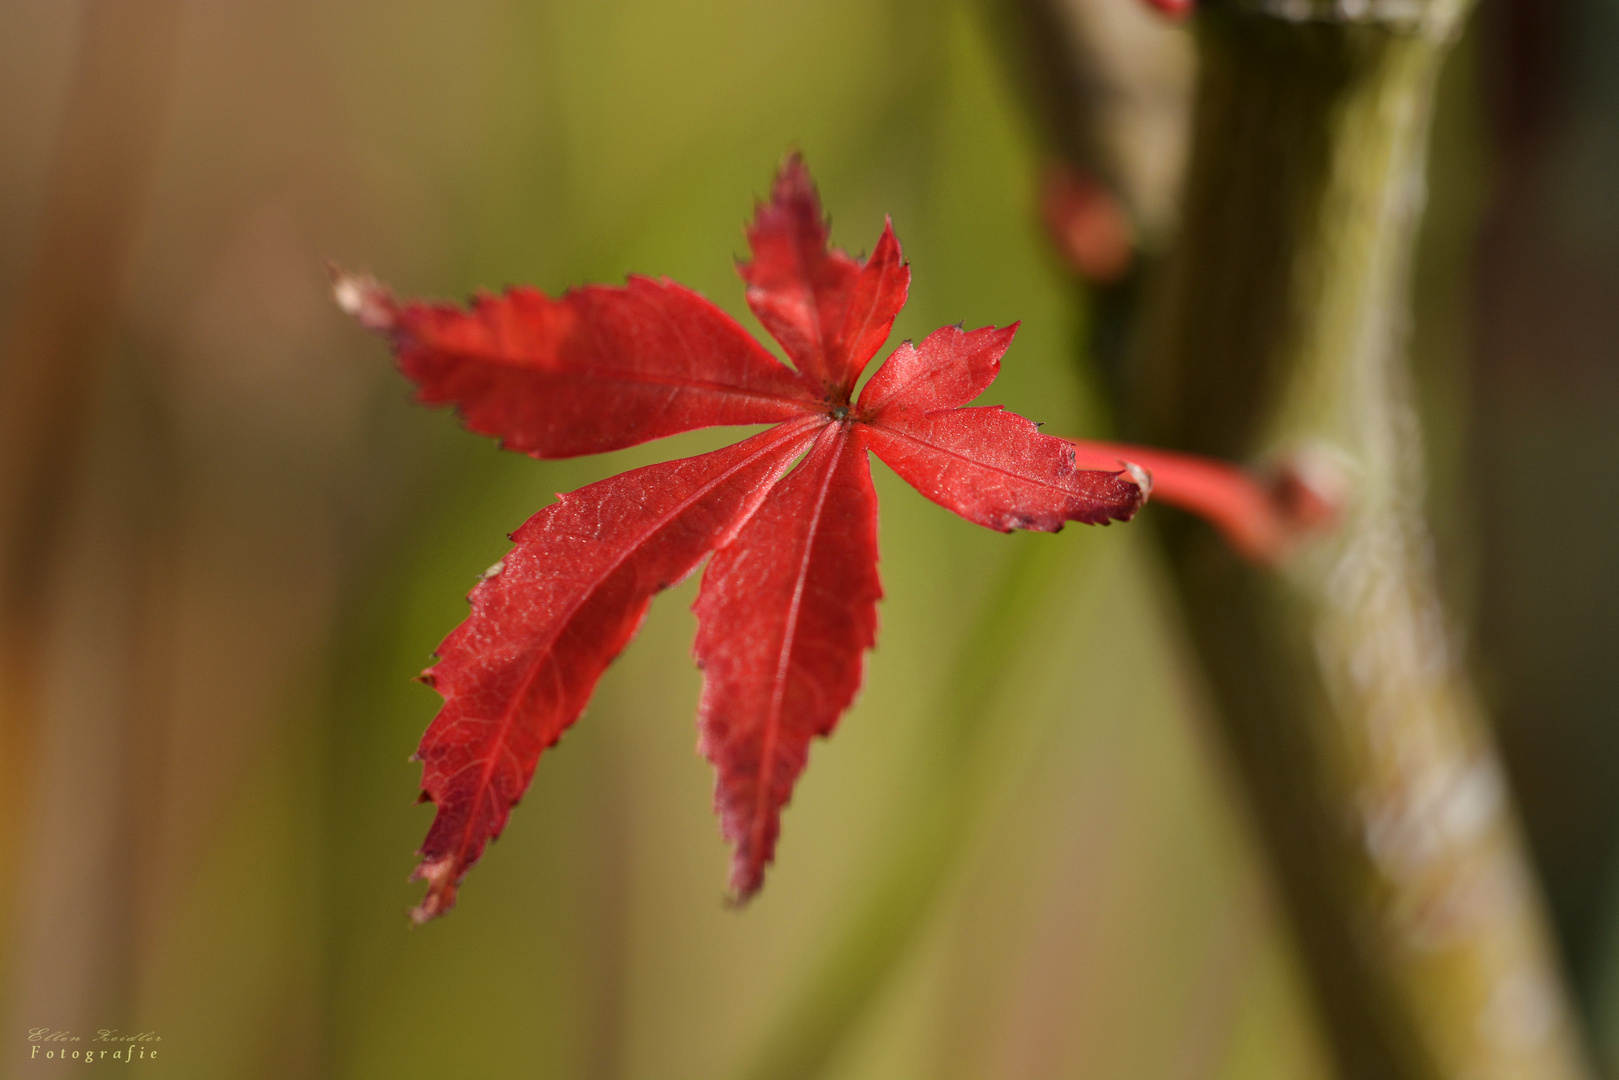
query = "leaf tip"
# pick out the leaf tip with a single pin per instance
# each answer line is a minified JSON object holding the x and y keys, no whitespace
{"x":1142,"y":478}
{"x":441,"y":877}
{"x":747,"y":878}
{"x":793,"y":177}
{"x":363,"y":298}
{"x":1087,"y":222}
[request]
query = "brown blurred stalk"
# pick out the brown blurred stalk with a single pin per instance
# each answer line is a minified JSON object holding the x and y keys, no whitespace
{"x":1278,"y":335}
{"x":59,"y":327}
{"x":1110,"y":83}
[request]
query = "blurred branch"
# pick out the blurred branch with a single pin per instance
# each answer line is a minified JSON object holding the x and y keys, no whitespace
{"x":58,"y":330}
{"x":1280,"y":330}
{"x":1111,"y":83}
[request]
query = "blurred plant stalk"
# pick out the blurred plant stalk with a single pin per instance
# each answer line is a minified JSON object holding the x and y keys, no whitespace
{"x":52,"y":346}
{"x":1111,"y":84}
{"x":888,"y":916}
{"x":1277,"y":335}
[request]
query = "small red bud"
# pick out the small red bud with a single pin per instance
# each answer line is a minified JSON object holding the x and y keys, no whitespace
{"x":1088,"y":224}
{"x":1172,"y":9}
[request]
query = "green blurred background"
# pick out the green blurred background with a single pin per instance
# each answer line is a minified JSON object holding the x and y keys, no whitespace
{"x":264,"y":540}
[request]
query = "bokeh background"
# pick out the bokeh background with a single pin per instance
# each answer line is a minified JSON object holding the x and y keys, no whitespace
{"x":251,"y":542}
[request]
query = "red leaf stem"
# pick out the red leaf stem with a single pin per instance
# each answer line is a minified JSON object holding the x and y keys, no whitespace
{"x":1263,"y":519}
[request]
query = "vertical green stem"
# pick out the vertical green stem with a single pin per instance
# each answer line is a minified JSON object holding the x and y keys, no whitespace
{"x":1279,"y":335}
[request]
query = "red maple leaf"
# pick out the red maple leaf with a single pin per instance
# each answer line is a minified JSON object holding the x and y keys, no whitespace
{"x":787,"y":607}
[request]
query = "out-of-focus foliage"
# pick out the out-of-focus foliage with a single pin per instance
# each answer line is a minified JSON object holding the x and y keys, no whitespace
{"x":1106,"y":914}
{"x":317,"y":533}
{"x":267,"y":540}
